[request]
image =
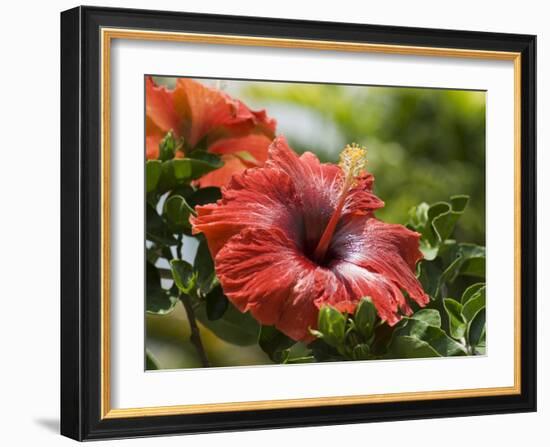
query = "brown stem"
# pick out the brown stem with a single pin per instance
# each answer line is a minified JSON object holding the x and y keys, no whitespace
{"x":195,"y":331}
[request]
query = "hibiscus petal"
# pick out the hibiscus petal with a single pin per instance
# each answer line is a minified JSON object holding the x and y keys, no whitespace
{"x":360,"y":199}
{"x":237,"y":154}
{"x":207,"y":111}
{"x":152,"y":147}
{"x":387,"y":249}
{"x":262,"y":271}
{"x":159,"y":109}
{"x":257,"y":198}
{"x":385,"y":295}
{"x":256,"y":145}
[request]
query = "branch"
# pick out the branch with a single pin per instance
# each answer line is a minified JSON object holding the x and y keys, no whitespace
{"x":195,"y":331}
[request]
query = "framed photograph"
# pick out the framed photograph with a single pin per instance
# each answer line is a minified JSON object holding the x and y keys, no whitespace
{"x":273,"y":223}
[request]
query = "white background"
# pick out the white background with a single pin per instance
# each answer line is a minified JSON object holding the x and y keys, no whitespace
{"x":132,"y":387}
{"x":29,"y":176}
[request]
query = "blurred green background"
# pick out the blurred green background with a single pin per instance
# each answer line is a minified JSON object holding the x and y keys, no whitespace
{"x":423,"y":145}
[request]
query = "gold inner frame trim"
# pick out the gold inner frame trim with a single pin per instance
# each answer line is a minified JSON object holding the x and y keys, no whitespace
{"x":107,"y":35}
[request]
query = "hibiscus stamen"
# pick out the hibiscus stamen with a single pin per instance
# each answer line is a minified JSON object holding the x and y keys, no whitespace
{"x":353,"y":161}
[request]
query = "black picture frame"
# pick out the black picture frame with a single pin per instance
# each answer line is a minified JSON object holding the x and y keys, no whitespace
{"x":81,"y":223}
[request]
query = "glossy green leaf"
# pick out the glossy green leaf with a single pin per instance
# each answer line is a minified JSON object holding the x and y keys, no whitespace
{"x":429,"y":277}
{"x":157,"y":299}
{"x":153,"y":169}
{"x":361,"y":352}
{"x":177,"y":212}
{"x":474,"y":305}
{"x":332,"y":324}
{"x":436,"y":223}
{"x":407,"y":347}
{"x":156,"y":228}
{"x":195,"y":165}
{"x":418,"y":216}
{"x":234,"y":327}
{"x":444,"y":223}
{"x":470,"y":291}
{"x":428,"y":316}
{"x":167,"y":147}
{"x":457,"y":325}
{"x":216,"y":303}
{"x":365,"y":318}
{"x":463,"y":259}
{"x":184,"y":275}
{"x":476,"y":328}
{"x":297,"y":353}
{"x":432,"y":335}
{"x":204,"y":267}
{"x":274,"y":343}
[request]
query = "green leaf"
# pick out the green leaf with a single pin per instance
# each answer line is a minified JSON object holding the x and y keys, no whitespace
{"x":156,"y":229}
{"x":151,"y":363}
{"x":216,"y":304}
{"x":457,"y":324}
{"x":234,"y":327}
{"x":153,"y":169}
{"x":434,"y":336}
{"x":195,"y":165}
{"x":324,"y":352}
{"x":332,"y":324}
{"x":203,"y":196}
{"x":274,"y":343}
{"x":429,"y":277}
{"x":474,"y":266}
{"x":297,"y":353}
{"x":167,"y":147}
{"x":177,"y":212}
{"x":204,"y":267}
{"x":471,"y":291}
{"x":365,"y":318}
{"x":418,"y":216}
{"x":407,"y":347}
{"x":177,"y":172}
{"x":473,"y":305}
{"x":463,"y":259}
{"x":428,"y":316}
{"x":183,"y":274}
{"x":436,"y":223}
{"x":361,"y":352}
{"x":444,"y":223}
{"x":158,"y":300}
{"x":476,"y":328}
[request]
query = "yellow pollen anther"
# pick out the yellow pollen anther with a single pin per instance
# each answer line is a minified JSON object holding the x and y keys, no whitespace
{"x":353,"y":160}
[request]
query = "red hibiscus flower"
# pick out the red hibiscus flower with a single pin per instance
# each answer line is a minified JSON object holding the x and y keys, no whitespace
{"x":297,"y":234}
{"x":209,"y":119}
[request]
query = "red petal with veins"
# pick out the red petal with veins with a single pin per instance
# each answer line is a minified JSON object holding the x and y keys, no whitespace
{"x":160,"y":111}
{"x":152,"y":149}
{"x":257,"y":198}
{"x":263,"y":272}
{"x":385,"y":295}
{"x":387,"y":249}
{"x":237,"y":153}
{"x":206,"y":111}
